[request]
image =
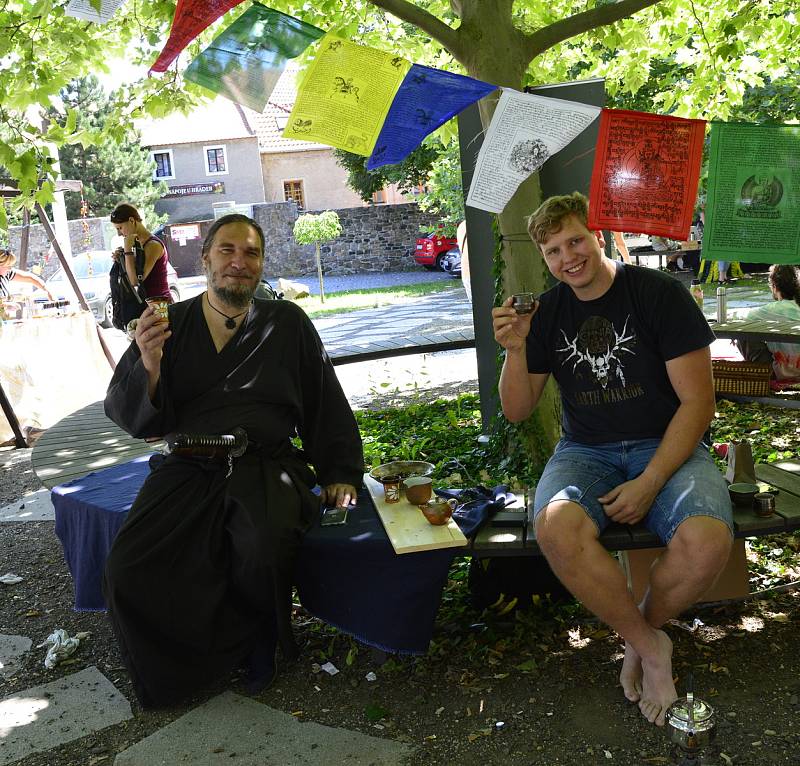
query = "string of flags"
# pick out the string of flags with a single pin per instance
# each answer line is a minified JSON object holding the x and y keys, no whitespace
{"x":369,"y":102}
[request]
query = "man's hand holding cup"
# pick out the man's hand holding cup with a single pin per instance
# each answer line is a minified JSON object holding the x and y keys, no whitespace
{"x":151,"y":334}
{"x":512,"y":320}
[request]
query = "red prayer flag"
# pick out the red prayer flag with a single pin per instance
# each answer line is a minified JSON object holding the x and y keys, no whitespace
{"x":646,"y":169}
{"x":191,"y":18}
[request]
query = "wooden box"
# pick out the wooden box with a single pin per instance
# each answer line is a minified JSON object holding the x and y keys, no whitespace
{"x":733,"y":582}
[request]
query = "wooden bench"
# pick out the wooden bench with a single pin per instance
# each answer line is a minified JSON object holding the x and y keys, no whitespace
{"x":639,"y":546}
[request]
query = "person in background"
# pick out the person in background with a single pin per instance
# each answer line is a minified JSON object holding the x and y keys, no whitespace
{"x":784,"y":282}
{"x":129,"y":225}
{"x":621,"y":246}
{"x":9,"y":274}
{"x":723,"y":272}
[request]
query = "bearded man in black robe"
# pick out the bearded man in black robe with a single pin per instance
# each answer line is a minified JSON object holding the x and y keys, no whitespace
{"x":198,"y":580}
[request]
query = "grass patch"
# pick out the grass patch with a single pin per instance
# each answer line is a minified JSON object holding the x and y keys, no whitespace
{"x":444,"y":432}
{"x":353,"y":300}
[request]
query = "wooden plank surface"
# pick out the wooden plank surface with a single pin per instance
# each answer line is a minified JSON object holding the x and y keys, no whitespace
{"x":786,"y":330}
{"x":780,"y":475}
{"x":83,"y":442}
{"x":408,"y":530}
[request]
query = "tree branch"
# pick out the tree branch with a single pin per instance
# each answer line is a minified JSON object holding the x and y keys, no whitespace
{"x":582,"y":22}
{"x":427,"y":22}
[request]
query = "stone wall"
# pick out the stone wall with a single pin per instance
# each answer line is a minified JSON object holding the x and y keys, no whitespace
{"x":375,"y":238}
{"x":97,"y":238}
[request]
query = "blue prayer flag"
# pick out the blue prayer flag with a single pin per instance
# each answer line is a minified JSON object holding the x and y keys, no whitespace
{"x":427,"y":99}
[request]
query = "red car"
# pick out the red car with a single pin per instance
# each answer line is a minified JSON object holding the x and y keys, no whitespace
{"x":431,"y":250}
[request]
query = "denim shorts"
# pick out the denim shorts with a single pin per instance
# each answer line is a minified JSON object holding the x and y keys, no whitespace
{"x":583,"y":472}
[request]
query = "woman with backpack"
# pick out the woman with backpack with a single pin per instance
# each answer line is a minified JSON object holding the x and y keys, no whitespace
{"x":140,"y":269}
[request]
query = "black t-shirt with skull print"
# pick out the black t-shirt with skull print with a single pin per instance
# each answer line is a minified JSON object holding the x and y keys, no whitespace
{"x":608,"y":355}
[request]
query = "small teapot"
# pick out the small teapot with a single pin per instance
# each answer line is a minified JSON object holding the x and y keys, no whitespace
{"x":691,"y":724}
{"x":438,"y":510}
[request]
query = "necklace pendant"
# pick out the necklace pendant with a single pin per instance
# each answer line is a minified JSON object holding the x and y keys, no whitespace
{"x":230,"y":324}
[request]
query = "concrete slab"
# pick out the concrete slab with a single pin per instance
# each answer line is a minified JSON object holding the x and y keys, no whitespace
{"x":49,"y":715}
{"x":33,"y":507}
{"x":234,"y":729}
{"x":11,"y":649}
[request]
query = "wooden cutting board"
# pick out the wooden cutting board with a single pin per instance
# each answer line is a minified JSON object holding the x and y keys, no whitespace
{"x":408,"y":530}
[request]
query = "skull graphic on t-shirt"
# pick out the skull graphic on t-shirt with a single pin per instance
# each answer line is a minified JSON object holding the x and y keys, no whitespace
{"x":599,"y":347}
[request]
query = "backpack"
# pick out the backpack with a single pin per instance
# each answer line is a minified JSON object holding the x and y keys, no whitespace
{"x":127,"y":301}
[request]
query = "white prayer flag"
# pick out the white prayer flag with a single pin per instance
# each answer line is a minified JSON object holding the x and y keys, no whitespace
{"x":83,"y":9}
{"x":525,"y":131}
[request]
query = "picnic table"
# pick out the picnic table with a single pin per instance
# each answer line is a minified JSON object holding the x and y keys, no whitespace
{"x":774,"y":330}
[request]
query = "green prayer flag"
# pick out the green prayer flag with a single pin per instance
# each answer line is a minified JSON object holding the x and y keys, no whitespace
{"x":246,"y":60}
{"x":753,"y":207}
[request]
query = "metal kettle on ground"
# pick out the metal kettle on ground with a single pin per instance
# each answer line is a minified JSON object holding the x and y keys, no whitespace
{"x":691,"y":726}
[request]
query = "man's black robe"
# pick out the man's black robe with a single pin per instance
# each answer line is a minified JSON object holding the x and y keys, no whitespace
{"x":201,"y":571}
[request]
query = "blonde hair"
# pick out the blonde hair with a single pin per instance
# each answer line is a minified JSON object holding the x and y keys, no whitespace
{"x":7,"y":258}
{"x":549,"y":217}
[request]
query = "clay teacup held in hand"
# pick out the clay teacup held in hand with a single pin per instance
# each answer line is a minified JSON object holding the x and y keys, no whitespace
{"x":523,"y":303}
{"x":418,"y":489}
{"x":438,"y":511}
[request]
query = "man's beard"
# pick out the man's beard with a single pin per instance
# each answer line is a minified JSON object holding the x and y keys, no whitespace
{"x":237,"y":296}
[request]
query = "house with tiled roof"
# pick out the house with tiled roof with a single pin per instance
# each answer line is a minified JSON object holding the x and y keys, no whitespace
{"x":208,"y":157}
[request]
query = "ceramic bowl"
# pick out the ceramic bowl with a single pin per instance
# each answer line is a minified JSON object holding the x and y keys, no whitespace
{"x":403,"y":469}
{"x":437,"y":512}
{"x":418,"y":489}
{"x":742,"y":493}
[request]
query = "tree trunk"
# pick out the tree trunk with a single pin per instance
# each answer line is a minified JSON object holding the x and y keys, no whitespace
{"x":319,"y":273}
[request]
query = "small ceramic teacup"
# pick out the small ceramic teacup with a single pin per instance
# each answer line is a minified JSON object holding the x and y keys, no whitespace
{"x":160,"y":308}
{"x":130,"y":330}
{"x":418,"y":489}
{"x":764,"y":503}
{"x":391,"y":488}
{"x":523,"y":303}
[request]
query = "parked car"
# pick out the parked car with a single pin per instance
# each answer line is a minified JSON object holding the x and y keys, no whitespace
{"x":91,"y":271}
{"x":431,"y":250}
{"x":451,"y":263}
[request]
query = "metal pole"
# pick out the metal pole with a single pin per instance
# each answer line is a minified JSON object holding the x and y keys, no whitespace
{"x":481,"y":249}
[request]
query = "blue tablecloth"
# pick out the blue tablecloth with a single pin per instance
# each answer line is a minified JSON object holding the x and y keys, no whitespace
{"x":349,"y":576}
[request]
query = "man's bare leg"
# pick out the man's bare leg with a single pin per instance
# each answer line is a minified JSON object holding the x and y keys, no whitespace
{"x":568,"y":538}
{"x":694,"y":558}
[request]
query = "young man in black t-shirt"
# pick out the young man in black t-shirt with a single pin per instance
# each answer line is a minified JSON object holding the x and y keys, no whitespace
{"x":629,"y":350}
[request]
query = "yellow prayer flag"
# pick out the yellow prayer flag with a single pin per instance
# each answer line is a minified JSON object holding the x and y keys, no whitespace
{"x":345,"y":95}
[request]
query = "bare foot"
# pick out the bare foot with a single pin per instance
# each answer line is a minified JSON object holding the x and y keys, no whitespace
{"x":631,"y":674}
{"x":658,"y":690}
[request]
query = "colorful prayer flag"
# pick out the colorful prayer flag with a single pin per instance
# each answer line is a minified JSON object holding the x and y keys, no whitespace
{"x":191,"y":18}
{"x":246,"y":61}
{"x":345,"y":95}
{"x":753,"y":205}
{"x":646,"y":169}
{"x":86,"y":10}
{"x":426,"y":100}
{"x":525,"y":131}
